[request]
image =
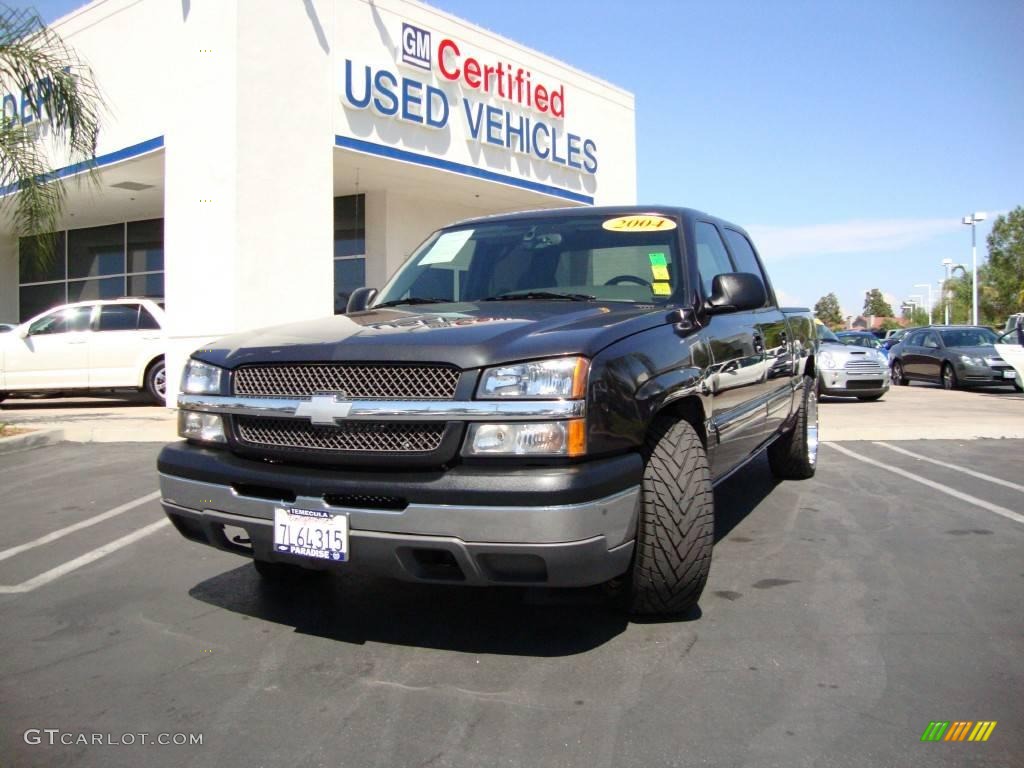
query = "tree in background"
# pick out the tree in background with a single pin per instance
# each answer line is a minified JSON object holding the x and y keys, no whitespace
{"x":41,"y":71}
{"x":875,"y":304}
{"x":960,"y":304}
{"x":827,"y":310}
{"x":1004,"y":272}
{"x":916,"y":315}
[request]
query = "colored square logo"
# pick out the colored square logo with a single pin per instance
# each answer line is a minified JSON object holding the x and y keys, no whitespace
{"x":415,"y":46}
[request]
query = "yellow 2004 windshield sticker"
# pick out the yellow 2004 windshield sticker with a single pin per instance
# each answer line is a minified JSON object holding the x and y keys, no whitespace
{"x":641,"y":223}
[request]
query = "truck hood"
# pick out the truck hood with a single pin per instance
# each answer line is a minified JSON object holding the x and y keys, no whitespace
{"x":467,"y":335}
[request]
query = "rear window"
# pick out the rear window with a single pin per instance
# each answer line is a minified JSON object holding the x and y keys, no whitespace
{"x":119,"y":317}
{"x":147,"y":321}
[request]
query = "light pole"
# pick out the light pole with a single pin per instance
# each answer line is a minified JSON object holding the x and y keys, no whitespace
{"x":929,"y":287}
{"x":948,"y":294}
{"x":971,"y":220}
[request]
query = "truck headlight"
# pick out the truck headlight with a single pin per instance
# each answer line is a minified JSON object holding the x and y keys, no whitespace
{"x":560,"y":377}
{"x":537,"y":438}
{"x":201,"y":378}
{"x":204,"y":427}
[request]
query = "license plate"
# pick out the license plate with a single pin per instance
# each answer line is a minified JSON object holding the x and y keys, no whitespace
{"x":311,"y":533}
{"x":1009,"y":374}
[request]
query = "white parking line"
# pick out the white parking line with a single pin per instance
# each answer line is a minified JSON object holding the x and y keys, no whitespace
{"x":1007,"y":513}
{"x":73,"y":565}
{"x":61,"y":533}
{"x":947,"y":465}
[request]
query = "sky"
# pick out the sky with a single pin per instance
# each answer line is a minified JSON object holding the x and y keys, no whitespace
{"x":849,"y":138}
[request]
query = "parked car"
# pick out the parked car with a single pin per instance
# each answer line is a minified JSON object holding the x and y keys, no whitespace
{"x":850,"y":370}
{"x":862,"y":339}
{"x":552,"y":394}
{"x":88,"y":346}
{"x":1013,"y":322}
{"x":951,"y":355}
{"x":1010,"y":347}
{"x":893,"y":336}
{"x":5,"y":327}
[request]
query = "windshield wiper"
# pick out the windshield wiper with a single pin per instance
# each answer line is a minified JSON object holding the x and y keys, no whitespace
{"x":530,"y":295}
{"x":411,"y":300}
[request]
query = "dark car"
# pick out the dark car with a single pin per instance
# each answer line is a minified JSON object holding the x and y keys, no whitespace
{"x":951,"y":355}
{"x":537,"y":399}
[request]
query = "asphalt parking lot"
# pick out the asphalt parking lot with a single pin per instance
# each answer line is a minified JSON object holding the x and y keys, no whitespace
{"x":843,"y":614}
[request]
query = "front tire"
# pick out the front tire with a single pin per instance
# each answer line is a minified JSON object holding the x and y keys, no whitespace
{"x":794,"y":455}
{"x":156,"y":382}
{"x":675,"y":531}
{"x":948,"y":375}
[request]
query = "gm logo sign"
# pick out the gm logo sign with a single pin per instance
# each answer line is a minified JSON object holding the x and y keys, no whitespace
{"x":415,"y":46}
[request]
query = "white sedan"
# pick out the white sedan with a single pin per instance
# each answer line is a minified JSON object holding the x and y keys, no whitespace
{"x":86,"y":347}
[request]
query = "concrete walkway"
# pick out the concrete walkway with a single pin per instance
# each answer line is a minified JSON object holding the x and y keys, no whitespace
{"x":925,"y":412}
{"x":127,"y":419}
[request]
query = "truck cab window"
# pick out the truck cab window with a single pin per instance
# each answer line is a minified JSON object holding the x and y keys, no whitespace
{"x":712,"y":258}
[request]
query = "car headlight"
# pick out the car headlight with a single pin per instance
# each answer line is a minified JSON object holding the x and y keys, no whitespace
{"x":972,"y":360}
{"x":201,"y":378}
{"x":560,"y":377}
{"x":204,"y":427}
{"x":537,"y":438}
{"x":828,"y":361}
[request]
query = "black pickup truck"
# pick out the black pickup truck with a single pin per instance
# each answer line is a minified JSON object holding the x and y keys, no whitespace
{"x":543,"y":398}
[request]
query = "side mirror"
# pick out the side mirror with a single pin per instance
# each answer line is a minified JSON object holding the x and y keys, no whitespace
{"x":22,"y":331}
{"x":360,"y":299}
{"x":735,"y":292}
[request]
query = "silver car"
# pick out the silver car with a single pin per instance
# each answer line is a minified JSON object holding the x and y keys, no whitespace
{"x":845,"y":370}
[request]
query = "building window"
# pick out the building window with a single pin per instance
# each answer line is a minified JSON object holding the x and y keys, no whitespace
{"x":349,"y":248}
{"x":94,"y":263}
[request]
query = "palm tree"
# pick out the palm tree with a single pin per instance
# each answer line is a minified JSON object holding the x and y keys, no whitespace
{"x":46,"y":80}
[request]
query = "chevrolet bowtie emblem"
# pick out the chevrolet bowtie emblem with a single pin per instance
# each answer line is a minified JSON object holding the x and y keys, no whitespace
{"x":323,"y":409}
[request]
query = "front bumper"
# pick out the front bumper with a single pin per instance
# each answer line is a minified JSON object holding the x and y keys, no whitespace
{"x":557,"y":526}
{"x":841,"y":383}
{"x":979,"y":376}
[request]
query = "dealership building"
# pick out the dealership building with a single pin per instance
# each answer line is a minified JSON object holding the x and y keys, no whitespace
{"x":260,"y":159}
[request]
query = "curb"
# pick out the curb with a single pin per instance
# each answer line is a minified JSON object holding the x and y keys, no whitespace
{"x":37,"y":439}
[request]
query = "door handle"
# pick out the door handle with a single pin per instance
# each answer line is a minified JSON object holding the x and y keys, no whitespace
{"x":758,"y":343}
{"x":79,"y":341}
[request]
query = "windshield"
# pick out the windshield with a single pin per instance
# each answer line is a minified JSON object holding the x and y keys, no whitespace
{"x":968,"y":337}
{"x":576,"y":258}
{"x":860,"y":341}
{"x":825,"y":334}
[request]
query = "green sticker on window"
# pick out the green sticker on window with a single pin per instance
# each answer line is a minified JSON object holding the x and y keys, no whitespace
{"x":657,"y":259}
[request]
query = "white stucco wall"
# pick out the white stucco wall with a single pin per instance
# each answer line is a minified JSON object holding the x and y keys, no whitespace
{"x":248,"y":100}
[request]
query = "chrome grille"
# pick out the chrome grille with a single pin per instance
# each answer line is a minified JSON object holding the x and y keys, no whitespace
{"x":367,"y":437}
{"x":353,"y":381}
{"x":863,"y":366}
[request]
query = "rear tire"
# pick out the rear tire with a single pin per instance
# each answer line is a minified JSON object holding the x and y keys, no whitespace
{"x":869,"y":398}
{"x":794,"y":455}
{"x":675,"y":531}
{"x":156,"y":382}
{"x":897,"y":374}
